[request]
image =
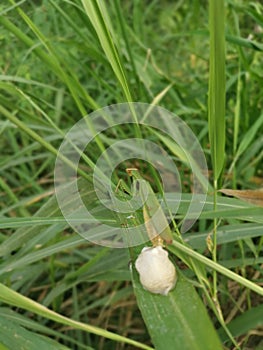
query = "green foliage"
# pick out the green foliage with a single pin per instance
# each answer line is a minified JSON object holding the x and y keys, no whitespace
{"x":62,"y":60}
{"x":191,"y":321}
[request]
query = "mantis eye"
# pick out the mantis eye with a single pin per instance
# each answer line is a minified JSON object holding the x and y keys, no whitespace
{"x":157,"y":273}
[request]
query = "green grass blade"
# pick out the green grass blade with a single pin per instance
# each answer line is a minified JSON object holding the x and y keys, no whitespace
{"x":24,"y":339}
{"x":245,"y":322}
{"x":180,"y":311}
{"x":101,"y":23}
{"x":215,"y":266}
{"x":216,"y":93}
{"x":51,"y":61}
{"x":11,"y":297}
{"x":247,"y":139}
{"x":34,"y":325}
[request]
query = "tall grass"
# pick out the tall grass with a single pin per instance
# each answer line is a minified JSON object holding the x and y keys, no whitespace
{"x":63,"y":60}
{"x":216,"y":106}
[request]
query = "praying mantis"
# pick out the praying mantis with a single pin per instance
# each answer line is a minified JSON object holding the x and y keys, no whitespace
{"x":155,"y":221}
{"x":156,"y":272}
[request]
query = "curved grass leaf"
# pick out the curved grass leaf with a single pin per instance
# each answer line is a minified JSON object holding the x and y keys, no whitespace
{"x":101,"y":23}
{"x":11,"y":297}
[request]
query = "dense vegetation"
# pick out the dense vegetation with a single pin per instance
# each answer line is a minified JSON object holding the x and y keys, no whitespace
{"x":62,"y":60}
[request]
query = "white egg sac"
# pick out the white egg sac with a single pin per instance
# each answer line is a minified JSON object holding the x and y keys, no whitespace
{"x":157,"y":273}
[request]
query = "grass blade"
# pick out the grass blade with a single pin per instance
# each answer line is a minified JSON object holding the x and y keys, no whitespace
{"x":100,"y":22}
{"x":11,"y":297}
{"x":216,"y":93}
{"x":181,"y":311}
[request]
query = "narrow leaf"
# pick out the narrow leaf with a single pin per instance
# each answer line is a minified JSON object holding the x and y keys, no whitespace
{"x":101,"y":24}
{"x":245,"y":322}
{"x":11,"y":297}
{"x":16,"y":337}
{"x":216,"y":93}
